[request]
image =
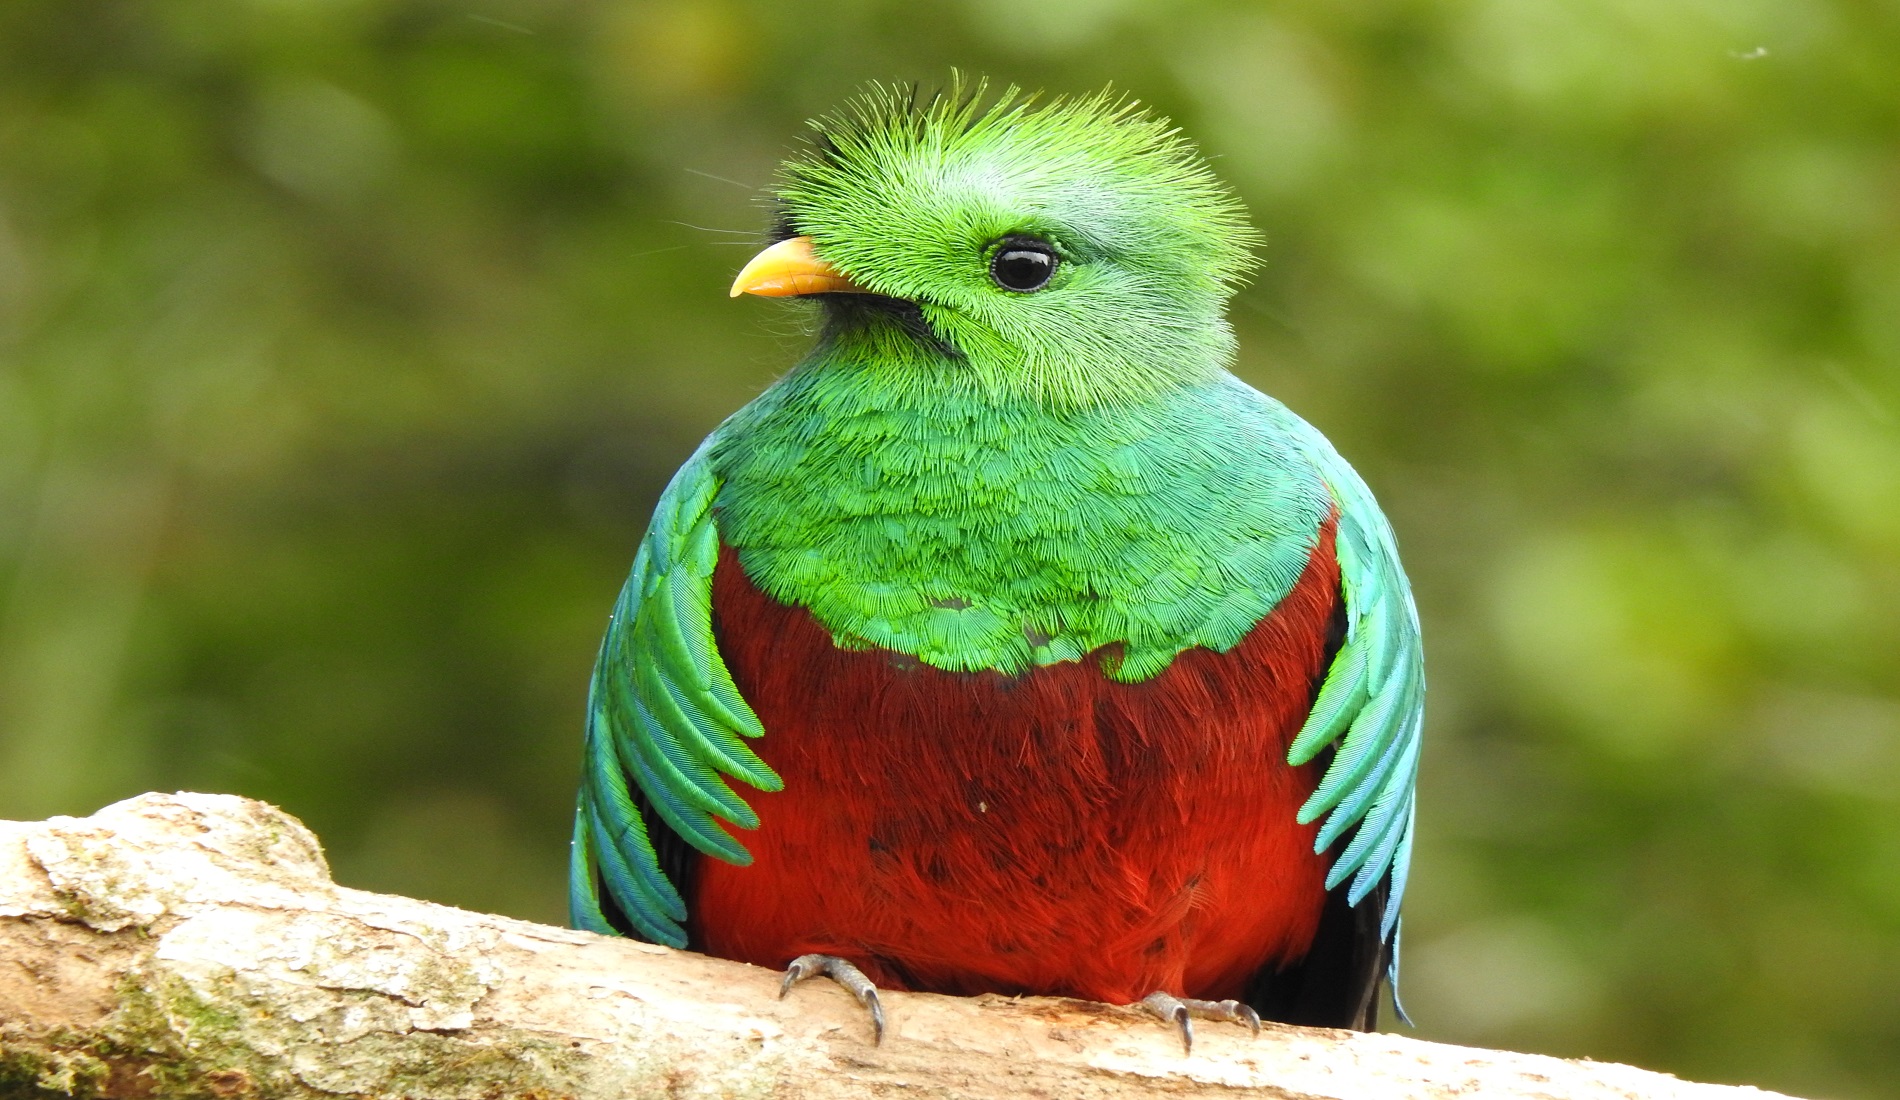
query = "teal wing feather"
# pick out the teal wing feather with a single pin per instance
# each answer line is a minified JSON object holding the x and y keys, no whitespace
{"x":665,"y":727}
{"x":1371,"y":705}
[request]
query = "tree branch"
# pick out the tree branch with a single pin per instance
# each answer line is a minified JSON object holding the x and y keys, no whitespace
{"x":194,"y":946}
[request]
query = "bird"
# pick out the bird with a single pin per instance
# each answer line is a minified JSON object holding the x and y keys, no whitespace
{"x":1009,"y":642}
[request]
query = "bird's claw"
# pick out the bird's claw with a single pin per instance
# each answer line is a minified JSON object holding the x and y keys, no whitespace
{"x":846,"y":974}
{"x":1181,"y":1010}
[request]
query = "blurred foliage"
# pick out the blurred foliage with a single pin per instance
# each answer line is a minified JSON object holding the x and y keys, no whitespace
{"x":344,"y":347}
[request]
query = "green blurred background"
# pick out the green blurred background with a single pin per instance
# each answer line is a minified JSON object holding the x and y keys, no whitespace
{"x":345,"y":345}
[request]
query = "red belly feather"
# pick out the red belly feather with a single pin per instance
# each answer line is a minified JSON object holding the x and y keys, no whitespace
{"x":1054,"y":832}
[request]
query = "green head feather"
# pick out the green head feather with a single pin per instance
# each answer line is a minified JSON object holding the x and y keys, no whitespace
{"x":913,"y":199}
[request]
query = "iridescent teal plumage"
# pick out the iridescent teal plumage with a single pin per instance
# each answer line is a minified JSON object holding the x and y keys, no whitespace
{"x":662,"y":711}
{"x":1371,"y":706}
{"x":993,"y":481}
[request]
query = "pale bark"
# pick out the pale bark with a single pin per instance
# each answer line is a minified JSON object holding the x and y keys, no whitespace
{"x":194,"y":945}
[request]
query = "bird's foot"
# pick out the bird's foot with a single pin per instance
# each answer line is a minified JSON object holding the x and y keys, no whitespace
{"x":1180,"y":1011}
{"x":845,"y":974}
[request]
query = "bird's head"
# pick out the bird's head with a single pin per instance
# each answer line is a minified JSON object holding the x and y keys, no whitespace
{"x":1075,"y":253}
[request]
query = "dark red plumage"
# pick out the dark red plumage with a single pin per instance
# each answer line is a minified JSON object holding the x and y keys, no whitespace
{"x":1054,"y":832}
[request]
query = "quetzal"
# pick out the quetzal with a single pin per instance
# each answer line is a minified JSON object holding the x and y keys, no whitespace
{"x":1030,"y":649}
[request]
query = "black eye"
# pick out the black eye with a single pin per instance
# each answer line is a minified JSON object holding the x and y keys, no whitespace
{"x":1023,"y":265}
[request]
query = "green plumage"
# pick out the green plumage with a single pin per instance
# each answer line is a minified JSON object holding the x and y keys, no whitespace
{"x":997,"y":534}
{"x":910,"y":200}
{"x":990,"y":480}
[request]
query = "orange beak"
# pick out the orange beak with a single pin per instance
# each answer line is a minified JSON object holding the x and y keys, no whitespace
{"x":791,"y":268}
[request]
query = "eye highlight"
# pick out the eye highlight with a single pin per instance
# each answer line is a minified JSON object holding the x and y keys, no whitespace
{"x":1023,"y":264}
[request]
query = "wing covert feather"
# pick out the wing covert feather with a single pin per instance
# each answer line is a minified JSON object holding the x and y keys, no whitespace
{"x":1370,"y":706}
{"x":665,"y":726}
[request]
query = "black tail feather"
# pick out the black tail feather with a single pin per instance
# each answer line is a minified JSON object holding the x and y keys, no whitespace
{"x":1337,"y":983}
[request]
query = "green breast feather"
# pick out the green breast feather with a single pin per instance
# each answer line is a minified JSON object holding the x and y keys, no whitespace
{"x":977,"y":536}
